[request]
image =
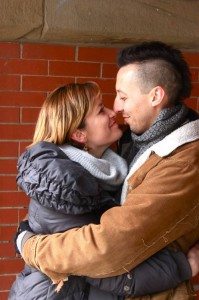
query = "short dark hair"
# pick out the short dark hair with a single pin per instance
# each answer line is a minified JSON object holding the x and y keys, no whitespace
{"x":159,"y":64}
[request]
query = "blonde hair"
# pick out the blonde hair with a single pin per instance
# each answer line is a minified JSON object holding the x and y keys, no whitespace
{"x":64,"y":111}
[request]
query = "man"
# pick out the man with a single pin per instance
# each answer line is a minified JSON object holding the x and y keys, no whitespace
{"x":160,"y":196}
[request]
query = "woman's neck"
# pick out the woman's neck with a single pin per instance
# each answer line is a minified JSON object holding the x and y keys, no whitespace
{"x":97,"y":152}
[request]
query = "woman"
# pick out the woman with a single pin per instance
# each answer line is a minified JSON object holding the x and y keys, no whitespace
{"x":71,"y":177}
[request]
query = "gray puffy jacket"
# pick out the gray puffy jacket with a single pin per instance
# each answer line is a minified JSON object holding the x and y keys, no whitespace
{"x":64,"y":195}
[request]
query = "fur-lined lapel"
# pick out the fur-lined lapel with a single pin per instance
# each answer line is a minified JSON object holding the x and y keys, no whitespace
{"x":185,"y":134}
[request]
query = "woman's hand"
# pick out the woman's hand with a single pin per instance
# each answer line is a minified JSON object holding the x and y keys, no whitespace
{"x":193,"y":258}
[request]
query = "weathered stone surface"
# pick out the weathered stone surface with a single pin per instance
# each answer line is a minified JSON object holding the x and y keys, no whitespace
{"x":18,"y":18}
{"x":104,"y":22}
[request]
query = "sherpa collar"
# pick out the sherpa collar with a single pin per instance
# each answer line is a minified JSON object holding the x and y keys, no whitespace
{"x":183,"y":135}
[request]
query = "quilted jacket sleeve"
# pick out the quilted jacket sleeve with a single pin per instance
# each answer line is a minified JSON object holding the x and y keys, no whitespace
{"x":163,"y":271}
{"x":46,"y":174}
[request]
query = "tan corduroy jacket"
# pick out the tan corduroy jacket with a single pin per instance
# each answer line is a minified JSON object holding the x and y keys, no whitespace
{"x":161,"y":208}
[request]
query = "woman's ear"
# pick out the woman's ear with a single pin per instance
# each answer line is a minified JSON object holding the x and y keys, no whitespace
{"x":157,"y":96}
{"x":79,"y":136}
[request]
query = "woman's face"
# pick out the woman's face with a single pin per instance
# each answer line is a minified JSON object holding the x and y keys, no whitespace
{"x":101,"y":128}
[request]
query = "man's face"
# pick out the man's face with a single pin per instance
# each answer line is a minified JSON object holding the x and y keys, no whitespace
{"x":134,"y":105}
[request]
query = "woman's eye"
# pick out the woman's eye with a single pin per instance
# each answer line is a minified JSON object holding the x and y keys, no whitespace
{"x":101,"y":110}
{"x":123,"y":98}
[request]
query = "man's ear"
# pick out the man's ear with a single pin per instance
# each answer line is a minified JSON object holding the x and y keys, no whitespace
{"x":157,"y":95}
{"x":79,"y":136}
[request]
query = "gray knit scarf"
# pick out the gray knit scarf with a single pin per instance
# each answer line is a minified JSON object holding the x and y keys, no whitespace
{"x":167,"y":121}
{"x":110,"y":169}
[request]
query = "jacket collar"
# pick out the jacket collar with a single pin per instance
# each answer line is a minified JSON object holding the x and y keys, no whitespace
{"x":185,"y":134}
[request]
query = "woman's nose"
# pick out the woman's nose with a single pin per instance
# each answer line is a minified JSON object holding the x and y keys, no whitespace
{"x":110,"y":112}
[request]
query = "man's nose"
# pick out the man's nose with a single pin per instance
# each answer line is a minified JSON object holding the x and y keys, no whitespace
{"x":117,"y":105}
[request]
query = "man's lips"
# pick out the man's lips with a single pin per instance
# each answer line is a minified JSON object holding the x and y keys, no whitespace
{"x":125,"y":119}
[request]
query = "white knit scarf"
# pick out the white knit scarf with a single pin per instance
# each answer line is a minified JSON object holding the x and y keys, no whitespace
{"x":110,"y":169}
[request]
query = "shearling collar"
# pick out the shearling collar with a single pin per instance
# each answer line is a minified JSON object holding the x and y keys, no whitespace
{"x":185,"y":134}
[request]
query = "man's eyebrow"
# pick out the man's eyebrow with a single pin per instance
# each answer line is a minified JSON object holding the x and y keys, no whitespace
{"x":120,"y":91}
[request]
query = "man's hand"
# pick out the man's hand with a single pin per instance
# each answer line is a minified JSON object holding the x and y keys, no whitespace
{"x":193,"y":258}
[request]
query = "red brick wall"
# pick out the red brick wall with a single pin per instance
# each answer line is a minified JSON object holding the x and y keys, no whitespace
{"x":27,"y":73}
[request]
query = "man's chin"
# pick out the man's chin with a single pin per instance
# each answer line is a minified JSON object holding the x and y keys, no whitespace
{"x":126,"y":123}
{"x":136,"y":131}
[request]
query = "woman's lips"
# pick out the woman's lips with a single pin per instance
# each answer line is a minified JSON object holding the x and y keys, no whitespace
{"x":113,"y":123}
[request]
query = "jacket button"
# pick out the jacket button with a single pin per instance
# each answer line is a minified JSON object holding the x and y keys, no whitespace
{"x":129,"y":276}
{"x":126,"y":288}
{"x":130,"y":188}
